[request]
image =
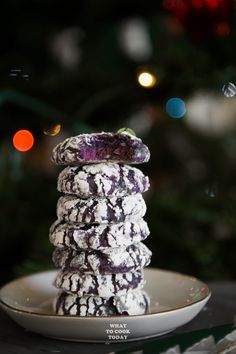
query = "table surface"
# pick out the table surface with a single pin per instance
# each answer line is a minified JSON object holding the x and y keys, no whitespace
{"x":220,"y":310}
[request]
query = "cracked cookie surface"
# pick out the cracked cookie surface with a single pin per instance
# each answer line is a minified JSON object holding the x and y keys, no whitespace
{"x":97,"y":236}
{"x":107,"y":261}
{"x":135,"y":302}
{"x":102,"y":180}
{"x":102,"y":285}
{"x":100,"y":210}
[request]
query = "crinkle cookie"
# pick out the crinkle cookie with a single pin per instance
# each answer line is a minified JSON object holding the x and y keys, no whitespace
{"x":135,"y":302}
{"x":101,"y":210}
{"x":102,"y":180}
{"x":110,"y":260}
{"x":102,"y":285}
{"x":97,"y":236}
{"x":101,"y":147}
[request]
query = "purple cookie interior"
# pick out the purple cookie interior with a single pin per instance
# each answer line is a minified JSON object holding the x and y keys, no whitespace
{"x":101,"y":147}
{"x":105,"y":147}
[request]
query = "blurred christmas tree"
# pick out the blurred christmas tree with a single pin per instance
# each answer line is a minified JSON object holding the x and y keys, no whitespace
{"x":69,"y":68}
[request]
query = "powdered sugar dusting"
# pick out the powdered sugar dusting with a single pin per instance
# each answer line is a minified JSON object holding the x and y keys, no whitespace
{"x":102,"y":179}
{"x":79,"y":236}
{"x":100,"y":147}
{"x":135,"y":302}
{"x":100,"y":228}
{"x":102,"y":285}
{"x":107,"y":261}
{"x":101,"y":210}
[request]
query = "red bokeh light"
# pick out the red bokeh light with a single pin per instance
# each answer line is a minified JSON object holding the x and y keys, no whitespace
{"x":201,"y":18}
{"x":223,"y":29}
{"x":212,"y":4}
{"x":23,"y":140}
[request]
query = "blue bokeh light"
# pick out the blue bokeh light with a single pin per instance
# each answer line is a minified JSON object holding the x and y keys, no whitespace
{"x":175,"y":107}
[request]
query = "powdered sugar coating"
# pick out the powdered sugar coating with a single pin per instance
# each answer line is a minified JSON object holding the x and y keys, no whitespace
{"x":101,"y":210}
{"x":107,"y":261}
{"x":102,"y":180}
{"x":100,"y":147}
{"x":100,"y":226}
{"x":97,"y":236}
{"x":102,"y":285}
{"x":135,"y":302}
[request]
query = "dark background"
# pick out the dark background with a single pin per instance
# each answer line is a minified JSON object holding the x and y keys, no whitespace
{"x":78,"y":65}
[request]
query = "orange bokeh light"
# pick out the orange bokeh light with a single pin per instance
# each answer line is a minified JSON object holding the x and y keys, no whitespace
{"x":52,"y":130}
{"x":23,"y":140}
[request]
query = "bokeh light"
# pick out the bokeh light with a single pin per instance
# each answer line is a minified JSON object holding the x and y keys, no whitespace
{"x":23,"y":140}
{"x":223,"y":29}
{"x":205,"y":112}
{"x":212,"y":190}
{"x":147,"y":79}
{"x":127,"y":130}
{"x":212,"y":4}
{"x":52,"y":130}
{"x":135,"y":39}
{"x":175,"y":107}
{"x":197,"y":4}
{"x":18,"y":73}
{"x":229,"y":90}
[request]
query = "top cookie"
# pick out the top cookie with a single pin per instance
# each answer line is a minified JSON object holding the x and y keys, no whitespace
{"x":101,"y":147}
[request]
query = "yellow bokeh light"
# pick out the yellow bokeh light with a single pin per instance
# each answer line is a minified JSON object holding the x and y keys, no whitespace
{"x":52,"y":130}
{"x":147,"y":79}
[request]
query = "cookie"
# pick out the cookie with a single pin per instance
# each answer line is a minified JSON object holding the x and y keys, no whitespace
{"x":97,"y":236}
{"x":107,"y":261}
{"x":101,"y":210}
{"x":135,"y":302}
{"x":102,"y":285}
{"x":102,"y":180}
{"x":101,"y":147}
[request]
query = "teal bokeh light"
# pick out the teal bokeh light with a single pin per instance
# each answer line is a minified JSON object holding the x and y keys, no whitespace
{"x":175,"y":107}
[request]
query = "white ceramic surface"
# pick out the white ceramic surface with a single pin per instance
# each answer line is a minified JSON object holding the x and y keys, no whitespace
{"x":175,"y":300}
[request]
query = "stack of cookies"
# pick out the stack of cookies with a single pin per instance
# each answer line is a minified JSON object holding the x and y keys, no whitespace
{"x":100,"y":227}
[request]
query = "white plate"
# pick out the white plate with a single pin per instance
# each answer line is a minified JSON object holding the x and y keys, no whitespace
{"x":175,"y":300}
